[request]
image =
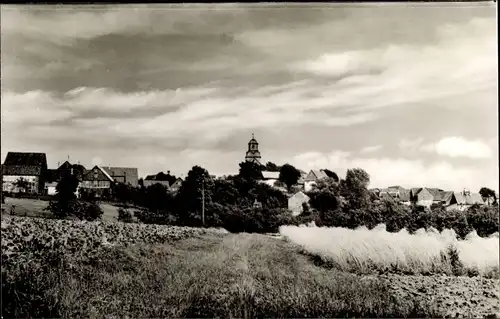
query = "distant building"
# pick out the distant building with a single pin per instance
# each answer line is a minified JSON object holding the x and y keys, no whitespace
{"x":125,"y":175}
{"x":53,"y":176}
{"x":253,"y":154}
{"x":270,"y":178}
{"x":312,"y":178}
{"x":96,"y":180}
{"x":30,"y":167}
{"x":160,"y":178}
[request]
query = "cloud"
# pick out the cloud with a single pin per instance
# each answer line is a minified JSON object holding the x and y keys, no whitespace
{"x":450,"y":146}
{"x":370,"y":149}
{"x":405,"y":172}
{"x":459,"y":147}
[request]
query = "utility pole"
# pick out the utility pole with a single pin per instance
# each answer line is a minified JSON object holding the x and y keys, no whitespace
{"x":203,"y":201}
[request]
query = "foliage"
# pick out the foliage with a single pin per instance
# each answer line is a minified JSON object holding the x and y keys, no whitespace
{"x":124,"y":215}
{"x":22,"y":184}
{"x":289,"y":175}
{"x":250,"y":171}
{"x":488,"y":195}
{"x":271,"y":167}
{"x":331,"y":175}
{"x":76,"y":270}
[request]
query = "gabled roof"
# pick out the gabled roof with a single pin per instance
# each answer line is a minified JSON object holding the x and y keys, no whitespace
{"x":270,"y":175}
{"x":150,"y":178}
{"x":385,"y":195}
{"x":404,"y":195}
{"x":415,"y":190}
{"x":442,"y":196}
{"x":396,"y":188}
{"x":25,"y":159}
{"x":300,"y":194}
{"x":130,"y":174}
{"x":105,"y":173}
{"x":474,"y":198}
{"x":316,"y":174}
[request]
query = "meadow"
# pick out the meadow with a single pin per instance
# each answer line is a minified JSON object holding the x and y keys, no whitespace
{"x":67,"y":269}
{"x":424,"y":252}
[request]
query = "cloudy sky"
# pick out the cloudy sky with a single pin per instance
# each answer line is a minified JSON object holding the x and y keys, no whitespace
{"x":406,"y":92}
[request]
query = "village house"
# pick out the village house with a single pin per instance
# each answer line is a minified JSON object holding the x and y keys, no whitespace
{"x":296,"y":201}
{"x":463,"y":200}
{"x":97,"y":181}
{"x":176,"y":185}
{"x":270,"y":178}
{"x":312,"y":178}
{"x":125,"y":175}
{"x":53,"y":176}
{"x":24,"y":172}
{"x":160,"y":178}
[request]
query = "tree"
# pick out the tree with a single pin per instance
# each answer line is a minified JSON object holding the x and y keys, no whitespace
{"x":271,"y":167}
{"x":250,"y":171}
{"x":488,"y":195}
{"x":331,"y":174}
{"x":22,"y":184}
{"x":289,"y":175}
{"x":196,"y":190}
{"x":355,"y":188}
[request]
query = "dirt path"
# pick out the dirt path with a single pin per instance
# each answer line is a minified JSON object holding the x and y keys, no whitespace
{"x":462,"y":297}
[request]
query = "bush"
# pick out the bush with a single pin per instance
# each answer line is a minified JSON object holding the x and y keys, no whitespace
{"x":125,"y":215}
{"x":80,"y":209}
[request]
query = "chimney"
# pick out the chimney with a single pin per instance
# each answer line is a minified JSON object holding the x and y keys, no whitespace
{"x":168,"y":172}
{"x":58,"y":164}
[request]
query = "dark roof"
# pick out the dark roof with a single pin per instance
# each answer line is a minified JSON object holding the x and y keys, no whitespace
{"x":25,"y":159}
{"x":21,"y":170}
{"x":130,"y":174}
{"x":150,"y":178}
{"x":404,"y":195}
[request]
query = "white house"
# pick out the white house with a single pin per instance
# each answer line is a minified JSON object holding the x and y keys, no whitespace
{"x":28,"y":167}
{"x":295,"y":202}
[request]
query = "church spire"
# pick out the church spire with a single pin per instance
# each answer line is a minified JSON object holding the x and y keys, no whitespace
{"x":253,"y":154}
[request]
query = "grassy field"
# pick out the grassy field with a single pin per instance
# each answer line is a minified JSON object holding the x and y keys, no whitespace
{"x":35,"y":208}
{"x":374,"y":251}
{"x":71,"y":269}
{"x":146,"y":271}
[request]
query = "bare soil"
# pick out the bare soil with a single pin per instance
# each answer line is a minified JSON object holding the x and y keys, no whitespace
{"x":460,"y":297}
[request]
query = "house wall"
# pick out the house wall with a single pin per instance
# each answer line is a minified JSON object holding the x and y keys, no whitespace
{"x":308,"y":186}
{"x":459,"y":207}
{"x":8,"y":182}
{"x":148,"y":183}
{"x":424,"y":198}
{"x":95,"y":184}
{"x":295,"y":203}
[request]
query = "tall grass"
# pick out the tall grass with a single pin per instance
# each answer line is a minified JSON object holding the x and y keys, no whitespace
{"x":242,"y":276}
{"x":371,"y":251}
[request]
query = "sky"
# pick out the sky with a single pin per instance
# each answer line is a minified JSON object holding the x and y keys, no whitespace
{"x":407,"y":92}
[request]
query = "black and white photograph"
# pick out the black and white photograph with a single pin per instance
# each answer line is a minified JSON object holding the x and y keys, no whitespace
{"x":250,"y":160}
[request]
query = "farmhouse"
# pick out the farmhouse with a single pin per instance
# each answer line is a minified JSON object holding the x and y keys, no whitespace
{"x":125,"y":175}
{"x":96,"y":180}
{"x":463,"y":200}
{"x":312,"y":178}
{"x":24,"y":172}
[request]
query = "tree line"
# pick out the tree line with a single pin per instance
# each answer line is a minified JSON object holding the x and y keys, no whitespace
{"x":231,"y":203}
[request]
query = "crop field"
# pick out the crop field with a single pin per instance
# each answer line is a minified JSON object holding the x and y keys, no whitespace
{"x":378,"y":251}
{"x":69,"y":269}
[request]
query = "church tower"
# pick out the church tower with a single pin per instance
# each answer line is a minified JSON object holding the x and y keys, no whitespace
{"x":253,"y":154}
